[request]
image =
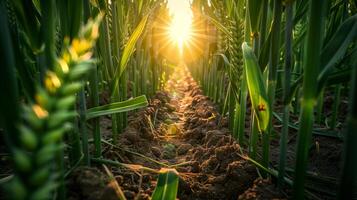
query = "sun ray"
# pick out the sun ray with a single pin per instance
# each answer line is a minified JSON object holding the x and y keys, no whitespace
{"x":180,"y":28}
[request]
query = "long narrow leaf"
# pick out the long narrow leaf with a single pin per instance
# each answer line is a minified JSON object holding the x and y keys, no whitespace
{"x":117,"y":107}
{"x":128,"y":51}
{"x":256,"y":87}
{"x":322,"y":132}
{"x":167,"y":185}
{"x":337,"y":46}
{"x":9,"y":109}
{"x":254,"y":10}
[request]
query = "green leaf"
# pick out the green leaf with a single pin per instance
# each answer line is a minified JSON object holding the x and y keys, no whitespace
{"x":117,"y":107}
{"x":27,"y":17}
{"x":337,"y":46}
{"x":9,"y":108}
{"x":322,"y":132}
{"x":254,"y":10}
{"x":256,"y":87}
{"x":167,"y":185}
{"x":128,"y":51}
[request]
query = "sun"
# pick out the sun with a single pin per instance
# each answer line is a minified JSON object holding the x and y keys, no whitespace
{"x":180,"y":28}
{"x":180,"y":32}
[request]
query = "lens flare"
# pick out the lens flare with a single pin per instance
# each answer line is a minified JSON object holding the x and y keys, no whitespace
{"x":180,"y":29}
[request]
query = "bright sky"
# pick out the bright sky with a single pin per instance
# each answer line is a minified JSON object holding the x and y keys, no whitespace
{"x":180,"y":27}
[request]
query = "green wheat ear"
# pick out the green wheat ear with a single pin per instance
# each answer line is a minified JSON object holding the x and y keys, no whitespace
{"x":47,"y":119}
{"x":236,"y":54}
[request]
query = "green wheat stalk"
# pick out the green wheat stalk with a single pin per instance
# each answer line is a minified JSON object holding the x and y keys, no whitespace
{"x":45,"y":120}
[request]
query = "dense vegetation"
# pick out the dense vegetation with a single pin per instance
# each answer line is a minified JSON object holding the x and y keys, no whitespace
{"x":268,"y":66}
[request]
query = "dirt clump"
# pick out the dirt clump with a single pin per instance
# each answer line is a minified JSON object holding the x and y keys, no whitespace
{"x":90,"y":183}
{"x":262,"y":189}
{"x":183,"y":149}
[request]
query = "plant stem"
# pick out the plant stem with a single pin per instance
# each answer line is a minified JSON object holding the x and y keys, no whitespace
{"x":272,"y":73}
{"x":311,"y":70}
{"x":287,"y":77}
{"x":254,"y":136}
{"x":83,"y":126}
{"x":348,"y":184}
{"x":94,"y":95}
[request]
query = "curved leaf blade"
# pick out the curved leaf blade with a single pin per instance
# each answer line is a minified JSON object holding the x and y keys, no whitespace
{"x":336,"y":48}
{"x":167,"y":185}
{"x":123,"y":106}
{"x":256,"y":87}
{"x":129,"y":50}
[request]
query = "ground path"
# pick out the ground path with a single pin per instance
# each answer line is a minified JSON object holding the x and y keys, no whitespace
{"x":181,"y":127}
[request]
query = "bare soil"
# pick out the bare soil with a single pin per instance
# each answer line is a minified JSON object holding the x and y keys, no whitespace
{"x":180,"y":127}
{"x":183,"y":129}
